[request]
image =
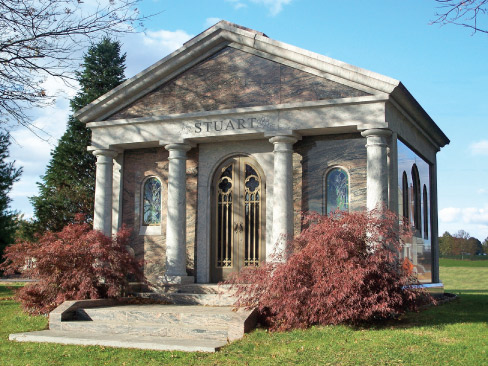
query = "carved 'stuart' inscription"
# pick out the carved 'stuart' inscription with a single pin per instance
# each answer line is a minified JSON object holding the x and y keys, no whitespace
{"x":233,"y":124}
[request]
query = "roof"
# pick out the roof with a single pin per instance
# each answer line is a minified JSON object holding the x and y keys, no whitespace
{"x":225,"y":34}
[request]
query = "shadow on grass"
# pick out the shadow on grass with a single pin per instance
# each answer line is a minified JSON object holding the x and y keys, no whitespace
{"x":7,"y":291}
{"x":464,"y":291}
{"x":471,"y":306}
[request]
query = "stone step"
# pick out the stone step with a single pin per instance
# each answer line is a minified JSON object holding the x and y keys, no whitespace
{"x":121,"y":340}
{"x":160,"y":314}
{"x":195,"y":288}
{"x":187,"y":331}
{"x":125,"y":323}
{"x":182,"y":321}
{"x":207,"y":299}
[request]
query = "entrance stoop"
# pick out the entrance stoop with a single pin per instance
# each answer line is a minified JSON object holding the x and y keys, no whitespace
{"x":189,"y":324}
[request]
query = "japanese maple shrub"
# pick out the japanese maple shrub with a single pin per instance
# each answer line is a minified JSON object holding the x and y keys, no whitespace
{"x":76,"y":263}
{"x":344,"y":268}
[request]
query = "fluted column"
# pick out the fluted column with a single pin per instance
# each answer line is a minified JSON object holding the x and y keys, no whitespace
{"x":377,"y":168}
{"x":102,"y":218}
{"x":176,"y":217}
{"x":282,"y":191}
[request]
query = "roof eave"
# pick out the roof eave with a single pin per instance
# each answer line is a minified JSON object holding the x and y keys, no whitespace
{"x":406,"y":100}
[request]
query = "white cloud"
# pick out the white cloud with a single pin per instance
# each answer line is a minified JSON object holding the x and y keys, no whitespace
{"x":473,"y":215}
{"x":466,"y":215}
{"x":449,"y":214}
{"x":144,"y":49}
{"x":274,"y":6}
{"x":482,"y":191}
{"x":210,"y":22}
{"x":33,"y":153}
{"x":168,"y":41}
{"x":479,"y":148}
{"x":473,"y":220}
{"x":238,"y":4}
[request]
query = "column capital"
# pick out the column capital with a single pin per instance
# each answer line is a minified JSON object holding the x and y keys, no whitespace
{"x":177,"y":147}
{"x":287,"y":139}
{"x":380,"y":132}
{"x":105,"y":152}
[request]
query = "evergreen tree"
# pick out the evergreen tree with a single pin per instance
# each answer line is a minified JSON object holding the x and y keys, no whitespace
{"x":68,"y":186}
{"x":8,"y":176}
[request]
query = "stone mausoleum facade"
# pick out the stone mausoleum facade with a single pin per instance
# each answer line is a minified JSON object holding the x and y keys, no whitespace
{"x":211,"y":154}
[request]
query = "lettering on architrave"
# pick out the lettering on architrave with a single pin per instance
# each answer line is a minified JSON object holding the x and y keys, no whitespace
{"x":227,"y":125}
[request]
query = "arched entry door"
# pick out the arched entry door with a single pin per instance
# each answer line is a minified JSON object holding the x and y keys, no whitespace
{"x":238,"y":217}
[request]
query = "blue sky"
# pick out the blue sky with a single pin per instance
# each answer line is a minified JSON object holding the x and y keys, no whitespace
{"x":443,"y":67}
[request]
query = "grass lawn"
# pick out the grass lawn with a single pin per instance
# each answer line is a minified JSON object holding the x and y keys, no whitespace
{"x":448,"y":262}
{"x":451,"y":334}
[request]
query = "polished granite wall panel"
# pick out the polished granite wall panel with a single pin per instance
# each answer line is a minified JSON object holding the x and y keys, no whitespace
{"x":233,"y":78}
{"x":324,"y":152}
{"x":418,"y":248}
{"x":142,"y":163}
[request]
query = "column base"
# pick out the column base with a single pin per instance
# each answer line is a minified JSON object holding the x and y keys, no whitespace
{"x":176,"y":280}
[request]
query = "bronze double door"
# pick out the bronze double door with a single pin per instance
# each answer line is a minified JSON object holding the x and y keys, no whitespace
{"x":238,"y":217}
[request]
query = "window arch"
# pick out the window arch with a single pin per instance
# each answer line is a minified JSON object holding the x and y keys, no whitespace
{"x":406,"y":203}
{"x":416,"y":200}
{"x":151,"y":202}
{"x":337,"y":190}
{"x":426,"y":213}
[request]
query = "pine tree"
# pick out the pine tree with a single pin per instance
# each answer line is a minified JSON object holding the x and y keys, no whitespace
{"x":68,"y":186}
{"x":8,"y":176}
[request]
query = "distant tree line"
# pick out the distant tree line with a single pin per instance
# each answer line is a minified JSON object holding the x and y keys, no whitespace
{"x":461,"y":243}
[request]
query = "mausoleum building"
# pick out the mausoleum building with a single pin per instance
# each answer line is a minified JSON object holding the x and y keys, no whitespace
{"x":211,"y":154}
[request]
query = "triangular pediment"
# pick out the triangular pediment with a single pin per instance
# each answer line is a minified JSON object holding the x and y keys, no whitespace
{"x":230,"y":79}
{"x":229,"y":66}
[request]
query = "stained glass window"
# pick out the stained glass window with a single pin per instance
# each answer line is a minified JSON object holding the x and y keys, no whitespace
{"x":337,"y":190}
{"x":152,"y":202}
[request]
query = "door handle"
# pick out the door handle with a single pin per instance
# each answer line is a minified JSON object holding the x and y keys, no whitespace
{"x":236,"y":227}
{"x":241,"y":228}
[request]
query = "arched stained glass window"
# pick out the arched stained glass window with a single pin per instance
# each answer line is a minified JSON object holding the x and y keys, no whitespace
{"x":152,"y":202}
{"x":337,"y":190}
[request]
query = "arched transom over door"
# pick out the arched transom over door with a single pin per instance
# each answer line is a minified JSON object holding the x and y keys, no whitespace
{"x":238,"y":217}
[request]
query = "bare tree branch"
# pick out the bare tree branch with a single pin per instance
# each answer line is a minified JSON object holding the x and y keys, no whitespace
{"x":466,"y":13}
{"x":45,"y":38}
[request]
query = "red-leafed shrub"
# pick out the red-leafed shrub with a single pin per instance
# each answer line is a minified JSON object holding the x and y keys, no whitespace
{"x":76,"y":263}
{"x":344,"y":268}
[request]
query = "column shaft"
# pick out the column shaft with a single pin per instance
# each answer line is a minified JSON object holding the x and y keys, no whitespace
{"x":283,"y":191}
{"x":102,"y":218}
{"x":377,"y":168}
{"x":176,"y":218}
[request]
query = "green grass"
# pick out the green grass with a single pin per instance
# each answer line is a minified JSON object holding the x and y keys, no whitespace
{"x":451,"y":334}
{"x":449,"y":262}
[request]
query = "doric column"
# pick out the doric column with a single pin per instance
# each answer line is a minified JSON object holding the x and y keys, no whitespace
{"x":282,"y":190}
{"x":176,"y":217}
{"x":377,"y":168}
{"x":102,"y":218}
